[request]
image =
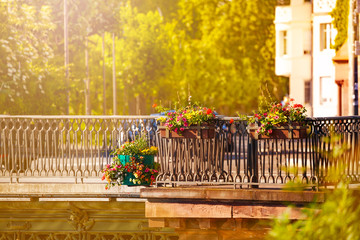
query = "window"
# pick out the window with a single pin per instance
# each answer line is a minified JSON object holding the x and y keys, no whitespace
{"x":325,"y":95}
{"x":283,"y":43}
{"x":307,"y":91}
{"x":307,"y":41}
{"x":325,"y":36}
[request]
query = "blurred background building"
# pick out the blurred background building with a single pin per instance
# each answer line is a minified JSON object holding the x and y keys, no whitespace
{"x":319,"y":77}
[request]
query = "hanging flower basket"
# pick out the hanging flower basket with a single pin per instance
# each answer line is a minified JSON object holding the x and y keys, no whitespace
{"x":278,"y":121}
{"x":191,"y":121}
{"x":133,"y":165}
{"x":283,"y":131}
{"x":136,"y":165}
{"x":204,"y":131}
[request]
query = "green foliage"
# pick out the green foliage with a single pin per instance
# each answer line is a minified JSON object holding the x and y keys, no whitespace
{"x":137,"y":147}
{"x":224,"y":52}
{"x":219,"y":52}
{"x":340,"y":15}
{"x":337,"y":218}
{"x":25,"y":59}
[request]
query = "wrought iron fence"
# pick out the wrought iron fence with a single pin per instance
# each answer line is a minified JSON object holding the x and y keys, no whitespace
{"x":59,"y":148}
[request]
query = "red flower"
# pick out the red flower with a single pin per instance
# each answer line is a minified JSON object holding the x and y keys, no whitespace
{"x":208,"y":111}
{"x":154,"y":105}
{"x":231,"y":121}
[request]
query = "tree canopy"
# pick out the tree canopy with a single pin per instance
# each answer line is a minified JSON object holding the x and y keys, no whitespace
{"x":219,"y":52}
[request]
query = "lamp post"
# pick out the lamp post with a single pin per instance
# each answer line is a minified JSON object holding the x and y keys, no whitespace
{"x":66,"y":52}
{"x":356,"y":53}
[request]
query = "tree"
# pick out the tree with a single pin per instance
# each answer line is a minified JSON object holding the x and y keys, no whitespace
{"x":25,"y":58}
{"x":225,"y":54}
{"x":220,"y":52}
{"x":143,"y":58}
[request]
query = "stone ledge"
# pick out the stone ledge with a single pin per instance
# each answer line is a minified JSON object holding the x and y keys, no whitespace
{"x":51,"y":190}
{"x":167,"y":210}
{"x":259,"y":195}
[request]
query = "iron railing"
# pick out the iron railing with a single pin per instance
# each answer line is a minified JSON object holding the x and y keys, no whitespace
{"x":76,"y":149}
{"x":61,"y":147}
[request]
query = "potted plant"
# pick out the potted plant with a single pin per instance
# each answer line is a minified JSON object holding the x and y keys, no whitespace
{"x":132,"y":165}
{"x":278,"y":121}
{"x":191,"y":121}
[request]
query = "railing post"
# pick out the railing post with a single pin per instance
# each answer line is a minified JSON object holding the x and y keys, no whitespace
{"x":253,"y":162}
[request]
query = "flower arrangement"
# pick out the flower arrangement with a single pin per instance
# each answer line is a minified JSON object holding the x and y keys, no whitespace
{"x":137,"y":147}
{"x":183,"y":117}
{"x":276,"y":114}
{"x":131,"y":165}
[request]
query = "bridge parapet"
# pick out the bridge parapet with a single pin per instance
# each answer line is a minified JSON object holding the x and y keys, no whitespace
{"x":74,"y":149}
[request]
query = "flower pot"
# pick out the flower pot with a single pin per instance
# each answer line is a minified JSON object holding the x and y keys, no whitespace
{"x":148,"y":160}
{"x":204,"y":131}
{"x":284,"y":131}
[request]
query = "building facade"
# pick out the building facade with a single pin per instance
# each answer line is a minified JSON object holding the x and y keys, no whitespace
{"x":304,"y":35}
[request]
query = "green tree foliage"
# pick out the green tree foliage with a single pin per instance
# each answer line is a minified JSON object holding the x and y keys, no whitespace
{"x":25,"y":53}
{"x":337,"y":218}
{"x":226,"y":52}
{"x":220,"y":52}
{"x":340,"y":15}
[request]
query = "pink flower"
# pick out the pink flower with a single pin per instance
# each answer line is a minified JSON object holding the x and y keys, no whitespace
{"x":270,"y":131}
{"x":182,"y":129}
